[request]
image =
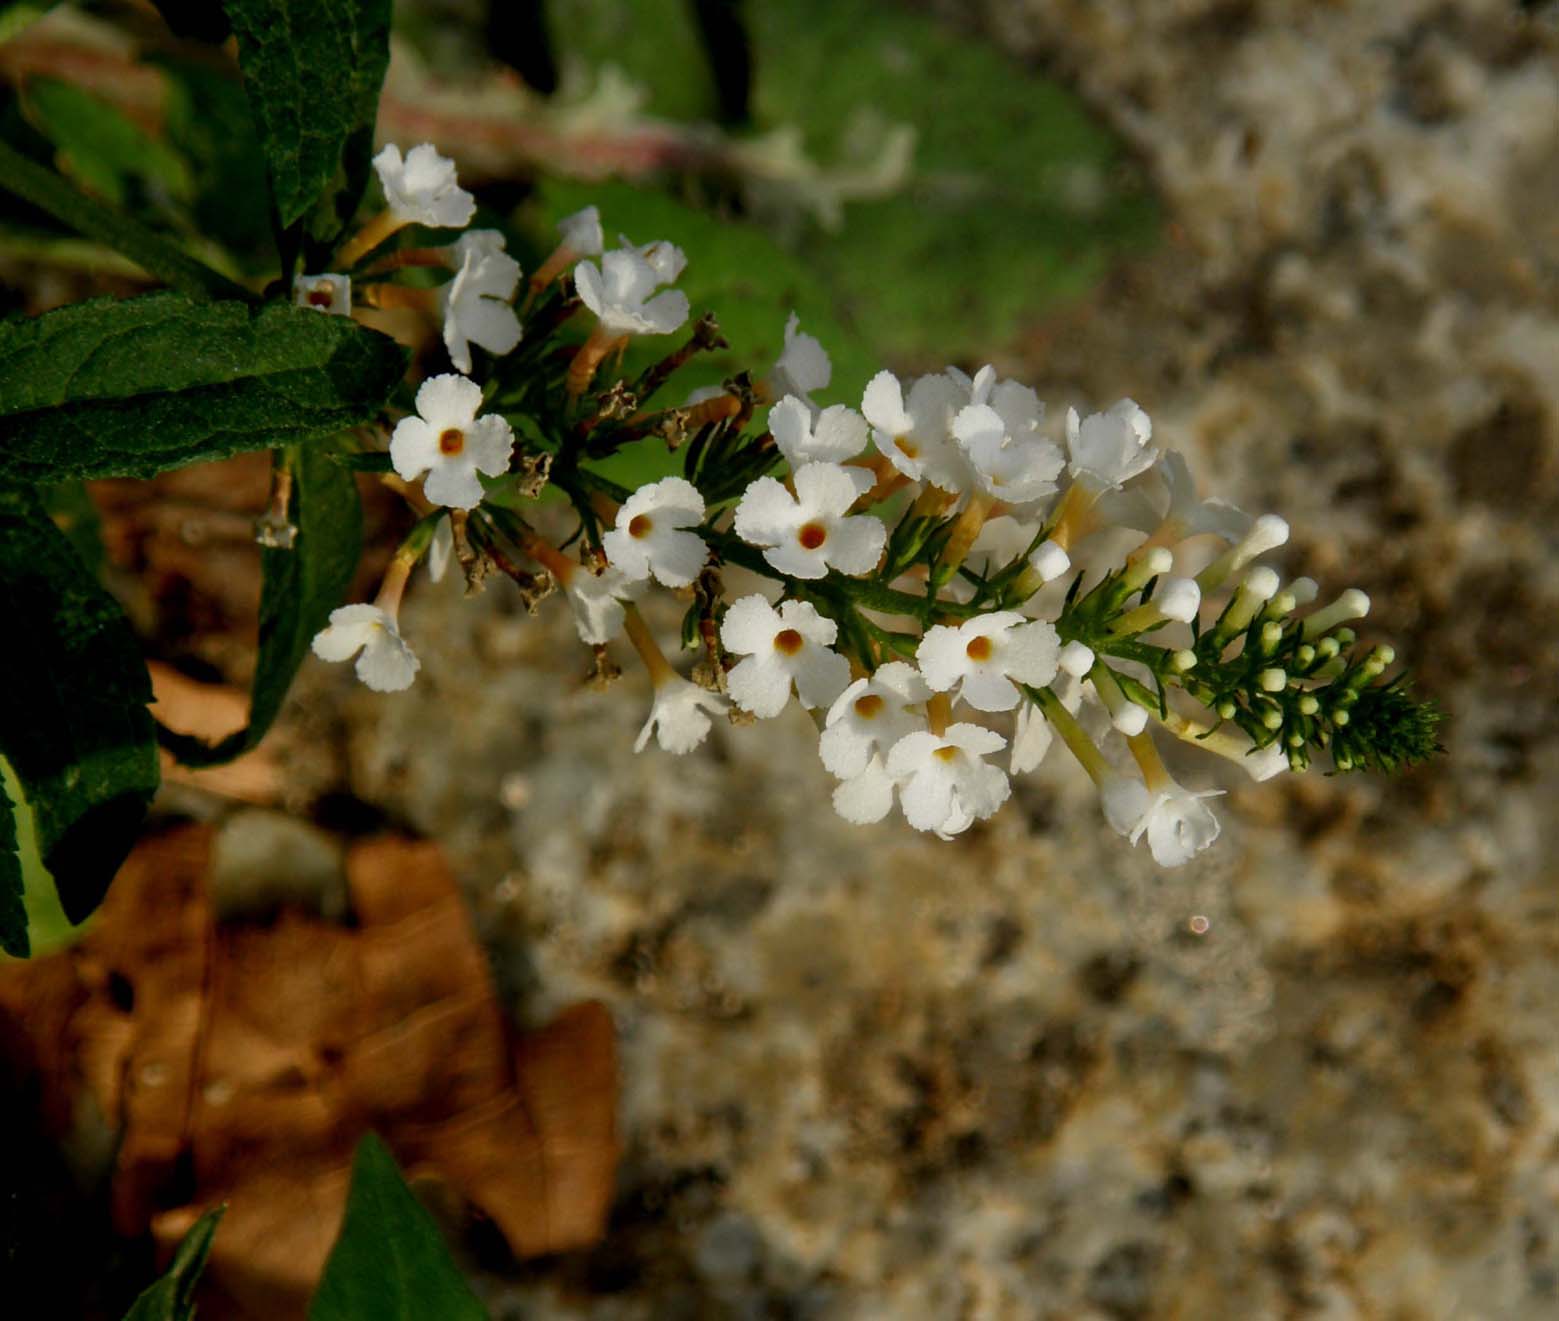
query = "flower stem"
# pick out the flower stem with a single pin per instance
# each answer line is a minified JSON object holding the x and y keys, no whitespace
{"x":369,"y":237}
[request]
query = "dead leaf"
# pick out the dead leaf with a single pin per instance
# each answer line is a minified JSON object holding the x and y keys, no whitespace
{"x":250,"y":1060}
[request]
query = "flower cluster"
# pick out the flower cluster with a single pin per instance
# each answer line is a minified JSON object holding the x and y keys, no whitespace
{"x":956,"y":578}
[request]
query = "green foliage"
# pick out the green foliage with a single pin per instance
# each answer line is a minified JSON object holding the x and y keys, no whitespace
{"x":389,"y":1262}
{"x":1016,"y":197}
{"x":312,"y":69}
{"x":13,"y":911}
{"x":207,"y":121}
{"x":75,"y":727}
{"x":1388,"y":729}
{"x":172,"y":1298}
{"x":92,"y":218}
{"x":301,"y":587}
{"x":104,"y":150}
{"x":130,"y":388}
{"x":48,"y":929}
{"x":70,"y":506}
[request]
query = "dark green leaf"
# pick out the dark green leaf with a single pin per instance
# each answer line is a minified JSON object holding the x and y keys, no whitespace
{"x":103,"y":149}
{"x":127,"y":389}
{"x":389,"y":1262}
{"x":153,"y":252}
{"x":13,"y":912}
{"x":70,"y":506}
{"x":313,"y":69}
{"x":172,"y":1298}
{"x":207,"y":120}
{"x":301,"y":587}
{"x":74,"y":725}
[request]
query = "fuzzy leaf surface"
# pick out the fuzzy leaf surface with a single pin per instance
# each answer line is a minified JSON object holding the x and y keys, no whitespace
{"x":313,"y":69}
{"x":128,"y":389}
{"x":74,"y":724}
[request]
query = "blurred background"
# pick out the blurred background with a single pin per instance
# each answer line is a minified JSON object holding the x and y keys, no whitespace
{"x":860,"y":1072}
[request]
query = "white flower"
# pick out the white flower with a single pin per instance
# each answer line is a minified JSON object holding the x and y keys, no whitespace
{"x":1190,"y":516}
{"x":999,"y":433}
{"x":440,"y":550}
{"x":1000,"y":541}
{"x":618,"y":292}
{"x":944,"y":783}
{"x":475,"y":304}
{"x":803,"y":367}
{"x":649,"y":538}
{"x":1112,"y":447}
{"x":1050,"y":561}
{"x":597,"y":602}
{"x":324,"y":293}
{"x":1176,"y":821}
{"x":680,"y":715}
{"x":1178,"y":599}
{"x":982,"y":656}
{"x":916,"y":438}
{"x":666,"y":259}
{"x":1031,"y":739}
{"x":870,"y":716}
{"x":866,"y":796}
{"x":812,"y":531}
{"x":839,"y":433}
{"x":784,"y":646}
{"x":423,"y":188}
{"x":581,"y":233}
{"x":1076,"y":659}
{"x":387,"y":664}
{"x":450,"y":443}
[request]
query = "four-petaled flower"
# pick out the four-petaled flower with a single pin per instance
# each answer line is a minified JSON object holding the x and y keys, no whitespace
{"x":679,"y":716}
{"x":982,"y":656}
{"x":808,"y":533}
{"x":916,"y":438}
{"x":324,"y":293}
{"x":581,"y":232}
{"x":782,"y":647}
{"x":596,"y":600}
{"x":618,"y":292}
{"x":450,"y":443}
{"x":999,"y":433}
{"x":475,"y":304}
{"x":945,"y":785}
{"x":1178,"y":824}
{"x":864,"y":723}
{"x":387,"y":664}
{"x":837,"y":433}
{"x":423,"y":189}
{"x":650,"y":537}
{"x":1111,"y":447}
{"x":803,"y":367}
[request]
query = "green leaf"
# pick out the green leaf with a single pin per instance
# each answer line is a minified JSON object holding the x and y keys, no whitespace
{"x":48,"y":929}
{"x":313,"y":69}
{"x":301,"y":587}
{"x":128,"y":389}
{"x":13,"y":912}
{"x":172,"y":1298}
{"x":17,"y":15}
{"x":389,"y":1262}
{"x":198,"y":19}
{"x":93,"y":219}
{"x":101,"y":148}
{"x":74,"y":725}
{"x":207,"y":120}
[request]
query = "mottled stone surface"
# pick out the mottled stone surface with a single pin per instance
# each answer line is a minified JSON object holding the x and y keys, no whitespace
{"x":1026,"y":1075}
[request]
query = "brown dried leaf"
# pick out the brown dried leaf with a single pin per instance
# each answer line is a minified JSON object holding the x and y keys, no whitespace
{"x":256,"y":1057}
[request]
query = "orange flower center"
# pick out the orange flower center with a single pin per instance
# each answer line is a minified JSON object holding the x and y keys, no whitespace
{"x":451,"y":441}
{"x":869,"y":706}
{"x":946,"y":752}
{"x":812,"y":535}
{"x":979,"y":649}
{"x":639,"y":526}
{"x":321,"y":295}
{"x":907,"y":447}
{"x":789,"y":641}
